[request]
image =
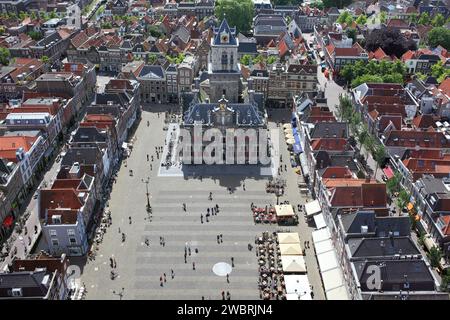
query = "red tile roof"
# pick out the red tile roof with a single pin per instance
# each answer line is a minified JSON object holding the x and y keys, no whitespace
{"x":445,"y":86}
{"x":336,"y":172}
{"x":335,"y":144}
{"x":9,"y":146}
{"x":424,"y":121}
{"x":413,"y":139}
{"x":58,"y":199}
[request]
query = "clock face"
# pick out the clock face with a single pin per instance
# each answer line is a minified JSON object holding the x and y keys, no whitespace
{"x":225,"y":38}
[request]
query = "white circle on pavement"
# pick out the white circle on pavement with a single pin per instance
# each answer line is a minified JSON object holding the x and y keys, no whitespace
{"x":221,"y":269}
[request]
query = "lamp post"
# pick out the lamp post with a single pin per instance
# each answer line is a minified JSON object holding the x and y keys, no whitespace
{"x":120,"y":294}
{"x":149,"y":207}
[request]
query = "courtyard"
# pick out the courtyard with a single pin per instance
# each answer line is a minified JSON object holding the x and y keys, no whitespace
{"x":140,"y":266}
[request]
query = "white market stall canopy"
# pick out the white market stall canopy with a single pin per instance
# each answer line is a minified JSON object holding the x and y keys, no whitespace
{"x":298,"y":284}
{"x":312,"y":208}
{"x":339,"y":293}
{"x":320,"y":235}
{"x":290,"y":249}
{"x":332,"y":279}
{"x":323,"y":246}
{"x":319,"y":220}
{"x":327,"y":261}
{"x":288,"y":237}
{"x":294,"y":264}
{"x":284,"y":210}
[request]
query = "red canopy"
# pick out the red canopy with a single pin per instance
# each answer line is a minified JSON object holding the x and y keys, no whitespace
{"x":388,"y":172}
{"x":8,"y":221}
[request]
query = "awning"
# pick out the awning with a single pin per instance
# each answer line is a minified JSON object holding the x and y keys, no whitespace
{"x":332,"y":279}
{"x":429,"y":242}
{"x":319,"y":220}
{"x":327,"y":261}
{"x":323,"y":246}
{"x":290,"y":249}
{"x":8,"y":221}
{"x":288,"y":237}
{"x":388,"y":172}
{"x":298,"y":284}
{"x":297,"y":145}
{"x":290,"y":141}
{"x":320,"y":235}
{"x":312,"y":208}
{"x":293,"y":264}
{"x":339,"y":293}
{"x":284,"y":210}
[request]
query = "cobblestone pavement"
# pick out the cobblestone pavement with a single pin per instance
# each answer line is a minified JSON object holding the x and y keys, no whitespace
{"x":139,"y":267}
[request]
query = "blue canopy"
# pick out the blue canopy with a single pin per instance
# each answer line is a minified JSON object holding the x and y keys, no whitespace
{"x":297,"y":145}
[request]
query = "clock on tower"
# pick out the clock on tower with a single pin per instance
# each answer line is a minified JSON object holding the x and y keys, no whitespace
{"x":224,"y":37}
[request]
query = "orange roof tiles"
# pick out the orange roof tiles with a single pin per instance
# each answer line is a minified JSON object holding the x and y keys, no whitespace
{"x":9,"y":146}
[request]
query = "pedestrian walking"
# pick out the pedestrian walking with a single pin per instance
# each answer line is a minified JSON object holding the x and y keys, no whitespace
{"x":111,"y":262}
{"x":189,"y":250}
{"x":151,"y":167}
{"x":193,"y":265}
{"x":221,"y":238}
{"x":196,"y":250}
{"x":232,"y":262}
{"x":201,"y":218}
{"x":148,"y":157}
{"x":172,"y":273}
{"x":228,"y":295}
{"x":210,"y":196}
{"x":207,"y":217}
{"x":129,"y":219}
{"x":218,"y":239}
{"x":312,"y":295}
{"x":161,"y":281}
{"x":228,"y":278}
{"x":165,"y":280}
{"x":223,"y":295}
{"x":115,"y":263}
{"x":207,"y":210}
{"x":119,"y":230}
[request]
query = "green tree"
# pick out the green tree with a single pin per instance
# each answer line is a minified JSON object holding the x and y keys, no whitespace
{"x":379,"y":155}
{"x":271,"y":59}
{"x":367,"y":78}
{"x":361,"y":20}
{"x":413,"y":18}
{"x":106,"y":25}
{"x":45,"y":59}
{"x":2,"y":30}
{"x":439,"y":36}
{"x":445,"y":283}
{"x":4,"y":56}
{"x":393,"y":184}
{"x":22,"y":15}
{"x":155,"y":31}
{"x":245,"y":60}
{"x":424,"y":19}
{"x":435,"y":256}
{"x":402,"y":199}
{"x":52,"y":15}
{"x":152,"y":58}
{"x":438,"y":20}
{"x":259,"y":58}
{"x":238,"y":13}
{"x":336,"y":3}
{"x":35,"y":35}
{"x":317,"y":4}
{"x":383,"y":17}
{"x":345,"y":17}
{"x":351,"y":33}
{"x":420,"y":76}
